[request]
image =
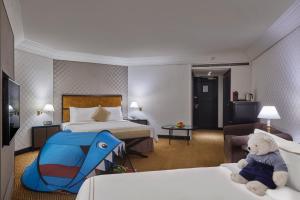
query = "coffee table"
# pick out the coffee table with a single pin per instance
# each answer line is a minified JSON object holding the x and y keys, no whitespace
{"x":186,"y":128}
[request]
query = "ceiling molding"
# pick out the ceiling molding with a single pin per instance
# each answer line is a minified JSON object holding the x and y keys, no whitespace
{"x":13,"y":9}
{"x":42,"y":50}
{"x":286,"y":24}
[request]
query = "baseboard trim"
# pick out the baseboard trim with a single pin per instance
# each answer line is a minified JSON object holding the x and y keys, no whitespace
{"x":21,"y":151}
{"x":177,"y":137}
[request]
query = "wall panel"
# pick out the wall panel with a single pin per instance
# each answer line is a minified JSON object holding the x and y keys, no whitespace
{"x":88,"y":78}
{"x":35,"y":75}
{"x":276,"y":81}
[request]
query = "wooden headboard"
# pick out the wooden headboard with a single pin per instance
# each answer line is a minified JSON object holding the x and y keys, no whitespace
{"x":86,"y":101}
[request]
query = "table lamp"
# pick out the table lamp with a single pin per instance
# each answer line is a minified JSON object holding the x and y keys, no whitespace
{"x":268,"y":113}
{"x":135,"y":105}
{"x":48,"y":108}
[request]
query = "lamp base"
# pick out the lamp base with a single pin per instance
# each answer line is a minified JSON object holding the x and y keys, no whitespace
{"x":269,"y":126}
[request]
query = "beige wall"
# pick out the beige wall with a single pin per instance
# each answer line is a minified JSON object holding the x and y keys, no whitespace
{"x":6,"y":60}
{"x":276,"y":81}
{"x":35,"y":75}
{"x":87,"y":79}
{"x":241,"y":80}
{"x":164,"y":92}
{"x":7,"y":65}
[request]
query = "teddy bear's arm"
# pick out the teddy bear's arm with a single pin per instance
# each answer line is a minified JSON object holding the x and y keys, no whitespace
{"x":250,"y":158}
{"x":280,"y":178}
{"x":280,"y":174}
{"x":278,"y":163}
{"x":244,"y":162}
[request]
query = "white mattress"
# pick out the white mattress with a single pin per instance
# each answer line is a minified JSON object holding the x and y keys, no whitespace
{"x":122,"y":129}
{"x":183,"y":184}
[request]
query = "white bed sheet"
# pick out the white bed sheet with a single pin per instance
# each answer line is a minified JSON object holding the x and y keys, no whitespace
{"x":211,"y":183}
{"x":113,"y":126}
{"x":283,"y":193}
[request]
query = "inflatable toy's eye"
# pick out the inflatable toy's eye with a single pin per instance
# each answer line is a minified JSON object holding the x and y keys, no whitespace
{"x":102,"y":145}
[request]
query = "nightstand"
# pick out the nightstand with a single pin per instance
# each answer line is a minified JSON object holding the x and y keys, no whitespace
{"x":139,"y":121}
{"x":40,"y":134}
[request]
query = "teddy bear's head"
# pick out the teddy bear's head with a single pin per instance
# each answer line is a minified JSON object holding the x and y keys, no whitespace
{"x":261,"y":144}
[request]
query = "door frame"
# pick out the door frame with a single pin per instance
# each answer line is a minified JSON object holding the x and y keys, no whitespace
{"x":217,"y":104}
{"x":226,"y":105}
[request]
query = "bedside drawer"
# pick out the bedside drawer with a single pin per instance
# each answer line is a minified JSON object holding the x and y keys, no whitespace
{"x":40,"y":134}
{"x":39,"y":137}
{"x":52,"y":130}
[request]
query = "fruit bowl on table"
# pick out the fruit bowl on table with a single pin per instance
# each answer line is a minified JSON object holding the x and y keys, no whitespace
{"x":180,"y":125}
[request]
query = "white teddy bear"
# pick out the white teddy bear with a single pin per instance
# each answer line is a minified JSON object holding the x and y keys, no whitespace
{"x":264,"y":167}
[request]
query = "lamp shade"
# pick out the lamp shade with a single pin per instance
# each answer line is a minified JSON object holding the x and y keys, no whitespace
{"x":10,"y":108}
{"x":48,"y":108}
{"x":268,"y":112}
{"x":134,"y":104}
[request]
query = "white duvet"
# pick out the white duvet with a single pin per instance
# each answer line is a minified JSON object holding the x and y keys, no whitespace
{"x":211,"y":183}
{"x":113,"y":126}
{"x":208,"y":183}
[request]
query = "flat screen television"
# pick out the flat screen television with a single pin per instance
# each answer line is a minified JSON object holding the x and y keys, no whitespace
{"x":10,"y":109}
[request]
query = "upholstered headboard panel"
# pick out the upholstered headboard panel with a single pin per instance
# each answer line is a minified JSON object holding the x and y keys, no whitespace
{"x":85,"y":101}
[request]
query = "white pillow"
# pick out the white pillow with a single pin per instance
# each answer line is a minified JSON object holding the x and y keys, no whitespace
{"x":82,"y":114}
{"x":115,"y":113}
{"x":292,"y":161}
{"x":290,"y":152}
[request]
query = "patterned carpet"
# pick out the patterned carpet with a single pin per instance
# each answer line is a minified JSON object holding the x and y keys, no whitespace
{"x":205,"y":149}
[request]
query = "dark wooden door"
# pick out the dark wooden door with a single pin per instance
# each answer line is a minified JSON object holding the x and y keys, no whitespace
{"x":226,"y":97}
{"x":205,"y":105}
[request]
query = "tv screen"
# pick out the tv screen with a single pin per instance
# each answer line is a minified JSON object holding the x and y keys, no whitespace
{"x":10,"y":109}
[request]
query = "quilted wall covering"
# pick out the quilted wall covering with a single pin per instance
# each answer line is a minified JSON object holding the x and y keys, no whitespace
{"x":88,"y":78}
{"x":44,"y":80}
{"x":35,"y":75}
{"x":276,"y":81}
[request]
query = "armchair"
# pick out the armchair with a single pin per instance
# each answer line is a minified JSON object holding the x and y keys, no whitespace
{"x":236,"y":138}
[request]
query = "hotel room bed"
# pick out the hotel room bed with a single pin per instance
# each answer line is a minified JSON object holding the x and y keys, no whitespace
{"x":139,"y":138}
{"x":210,"y":183}
{"x":121,"y":129}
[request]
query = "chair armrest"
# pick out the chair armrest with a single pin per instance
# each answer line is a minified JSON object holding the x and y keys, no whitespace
{"x":241,"y":129}
{"x":233,"y":147}
{"x":284,"y":136}
{"x":239,"y":141}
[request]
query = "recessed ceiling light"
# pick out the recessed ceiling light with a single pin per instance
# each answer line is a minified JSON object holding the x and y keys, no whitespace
{"x":209,"y":73}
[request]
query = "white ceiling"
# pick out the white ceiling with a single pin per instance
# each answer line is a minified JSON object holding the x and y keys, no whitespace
{"x":146,"y":28}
